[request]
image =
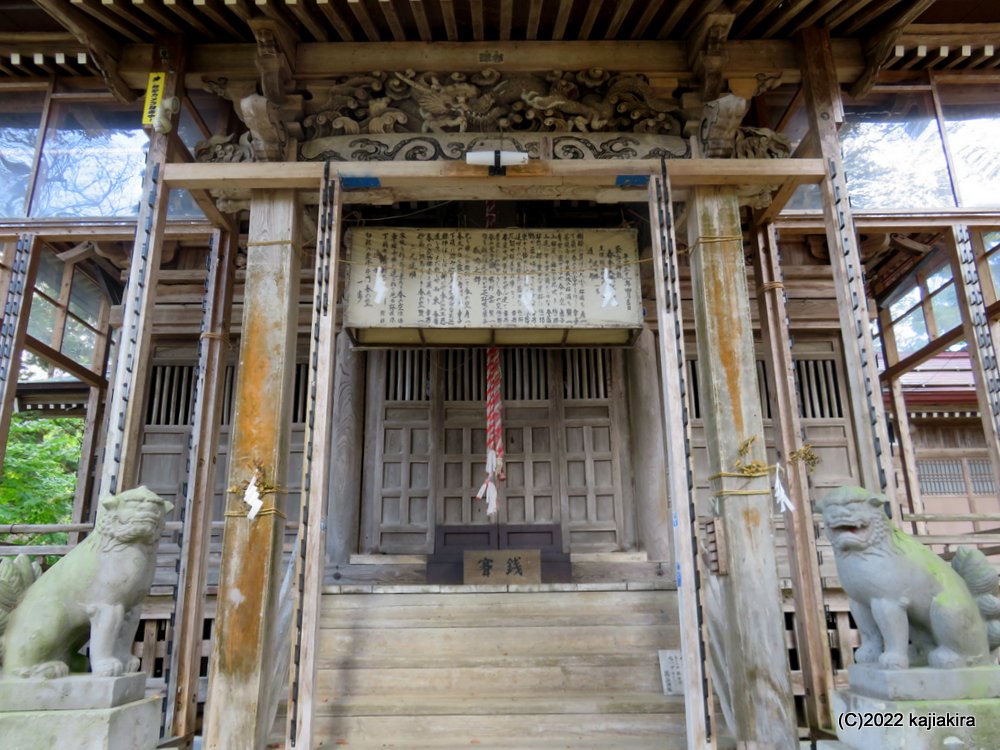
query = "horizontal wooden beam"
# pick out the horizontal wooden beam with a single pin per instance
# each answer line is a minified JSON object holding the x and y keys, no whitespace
{"x":411,"y":180}
{"x":317,"y":61}
{"x":63,"y":362}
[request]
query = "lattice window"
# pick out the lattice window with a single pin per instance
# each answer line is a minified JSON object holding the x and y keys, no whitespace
{"x":408,"y":375}
{"x":586,"y":373}
{"x":981,"y":476}
{"x":694,"y":393}
{"x":955,"y":476}
{"x":941,"y":476}
{"x":465,"y":375}
{"x":819,"y":389}
{"x":525,"y":375}
{"x":171,"y":395}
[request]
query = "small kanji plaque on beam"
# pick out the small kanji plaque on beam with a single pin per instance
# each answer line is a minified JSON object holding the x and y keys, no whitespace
{"x":502,"y":566}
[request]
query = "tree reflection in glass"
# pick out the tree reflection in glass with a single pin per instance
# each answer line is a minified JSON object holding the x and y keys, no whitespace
{"x":92,"y":162}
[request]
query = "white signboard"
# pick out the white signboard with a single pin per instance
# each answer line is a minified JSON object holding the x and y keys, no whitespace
{"x":492,"y":279}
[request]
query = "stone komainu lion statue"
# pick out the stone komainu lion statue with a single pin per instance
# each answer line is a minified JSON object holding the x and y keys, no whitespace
{"x":911,"y":607}
{"x":94,"y":593}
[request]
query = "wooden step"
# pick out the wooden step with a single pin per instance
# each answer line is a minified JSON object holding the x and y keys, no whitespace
{"x":468,"y":731}
{"x":489,"y":703}
{"x":579,"y":639}
{"x":523,"y":675}
{"x":496,"y":671}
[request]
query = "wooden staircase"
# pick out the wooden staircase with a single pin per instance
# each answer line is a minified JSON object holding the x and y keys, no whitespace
{"x":516,"y":670}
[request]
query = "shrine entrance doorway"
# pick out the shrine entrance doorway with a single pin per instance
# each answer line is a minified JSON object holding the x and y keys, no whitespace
{"x":567,"y":455}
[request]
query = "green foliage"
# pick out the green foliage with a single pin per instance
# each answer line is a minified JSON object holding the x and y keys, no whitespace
{"x":39,"y":475}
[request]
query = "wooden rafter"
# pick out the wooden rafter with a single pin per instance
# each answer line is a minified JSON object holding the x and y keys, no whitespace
{"x":880,"y":46}
{"x":101,"y":46}
{"x":420,"y":16}
{"x":334,"y":17}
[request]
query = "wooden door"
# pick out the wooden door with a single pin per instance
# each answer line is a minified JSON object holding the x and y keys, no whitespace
{"x":563,"y":444}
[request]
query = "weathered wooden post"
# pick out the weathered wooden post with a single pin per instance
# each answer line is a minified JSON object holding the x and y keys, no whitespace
{"x":825,"y":111}
{"x":752,"y":633}
{"x":243,"y":644}
{"x":199,"y":487}
{"x":800,"y":537}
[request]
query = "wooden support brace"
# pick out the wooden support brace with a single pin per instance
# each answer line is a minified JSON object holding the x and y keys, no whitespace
{"x":807,"y":589}
{"x":126,"y":406}
{"x":825,"y":111}
{"x":199,"y":487}
{"x":979,"y":337}
{"x":14,"y":327}
{"x":699,"y":710}
{"x":319,"y":440}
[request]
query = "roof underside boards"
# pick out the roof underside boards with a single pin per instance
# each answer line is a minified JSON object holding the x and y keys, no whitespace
{"x":81,"y":37}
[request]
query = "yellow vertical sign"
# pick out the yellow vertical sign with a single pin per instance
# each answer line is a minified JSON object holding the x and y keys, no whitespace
{"x":154,"y":94}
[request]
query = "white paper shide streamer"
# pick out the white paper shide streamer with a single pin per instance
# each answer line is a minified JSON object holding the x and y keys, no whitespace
{"x":456,"y":292}
{"x":251,"y":496}
{"x":380,"y":287}
{"x":489,"y":487}
{"x":780,"y":496}
{"x":527,"y":296}
{"x":608,"y":297}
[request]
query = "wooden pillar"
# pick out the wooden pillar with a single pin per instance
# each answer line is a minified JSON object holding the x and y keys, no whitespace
{"x":800,"y":535}
{"x":646,"y":426}
{"x":14,"y":327}
{"x":243,"y":646}
{"x":82,"y":498}
{"x":825,"y":111}
{"x":753,"y":629}
{"x":126,"y":405}
{"x":979,"y":337}
{"x":344,"y":504}
{"x":699,"y":711}
{"x":320,"y":439}
{"x":909,"y":460}
{"x":199,"y":487}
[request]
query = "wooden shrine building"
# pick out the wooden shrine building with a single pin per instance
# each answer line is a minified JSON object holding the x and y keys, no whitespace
{"x":285,"y":256}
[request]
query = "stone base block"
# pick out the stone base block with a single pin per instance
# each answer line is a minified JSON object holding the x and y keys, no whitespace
{"x":74,"y":691}
{"x":866,"y":723}
{"x":924,"y":683}
{"x":132,"y":726}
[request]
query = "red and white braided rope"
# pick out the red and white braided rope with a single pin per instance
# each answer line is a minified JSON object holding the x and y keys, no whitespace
{"x":494,"y":433}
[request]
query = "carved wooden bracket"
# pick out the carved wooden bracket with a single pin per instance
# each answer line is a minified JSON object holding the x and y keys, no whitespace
{"x":268,"y":132}
{"x":720,"y":119}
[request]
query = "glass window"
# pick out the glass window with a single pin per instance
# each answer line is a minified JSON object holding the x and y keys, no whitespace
{"x":910,"y":332}
{"x":905,"y":302}
{"x":34,"y":368}
{"x":972,"y":121}
{"x":893,"y":153}
{"x":85,"y":298}
{"x":939,"y":278}
{"x":50,"y":274}
{"x":805,"y":198}
{"x":945,"y":306}
{"x":20,"y":119}
{"x":42,"y":319}
{"x":79,"y":342}
{"x":92,"y":162}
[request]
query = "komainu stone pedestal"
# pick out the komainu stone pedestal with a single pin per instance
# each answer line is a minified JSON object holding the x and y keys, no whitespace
{"x":79,"y":711}
{"x":919,"y":708}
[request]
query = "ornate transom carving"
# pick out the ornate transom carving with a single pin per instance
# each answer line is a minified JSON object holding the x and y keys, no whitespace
{"x":489,"y":102}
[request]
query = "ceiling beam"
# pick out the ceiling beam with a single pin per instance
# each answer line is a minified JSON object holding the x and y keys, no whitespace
{"x":317,"y":62}
{"x":103,"y":48}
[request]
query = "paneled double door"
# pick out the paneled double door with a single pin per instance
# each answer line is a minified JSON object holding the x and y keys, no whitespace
{"x":567,"y":456}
